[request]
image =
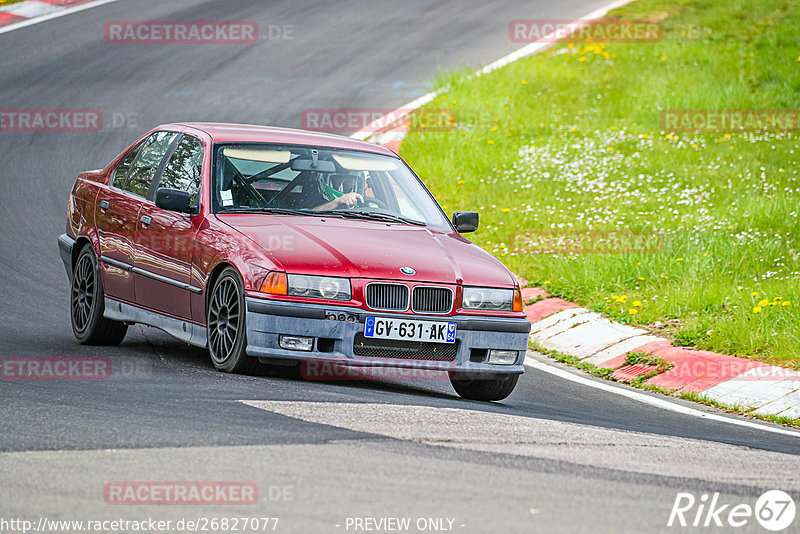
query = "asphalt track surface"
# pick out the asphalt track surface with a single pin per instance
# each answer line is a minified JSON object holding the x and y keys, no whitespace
{"x":556,"y":456}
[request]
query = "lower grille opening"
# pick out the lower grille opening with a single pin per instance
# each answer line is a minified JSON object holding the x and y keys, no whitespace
{"x":326,"y":344}
{"x":407,"y":350}
{"x":478,"y":355}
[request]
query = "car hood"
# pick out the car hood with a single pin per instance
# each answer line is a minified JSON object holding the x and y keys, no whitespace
{"x":366,"y":249}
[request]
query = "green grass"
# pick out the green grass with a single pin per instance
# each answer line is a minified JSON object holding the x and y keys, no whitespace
{"x":558,"y":147}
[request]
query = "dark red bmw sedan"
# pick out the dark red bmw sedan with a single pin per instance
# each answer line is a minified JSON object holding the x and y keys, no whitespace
{"x":277,"y":245}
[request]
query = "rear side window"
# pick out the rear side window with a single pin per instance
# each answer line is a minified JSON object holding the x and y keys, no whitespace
{"x":185,"y":167}
{"x":144,"y":168}
{"x":121,"y":172}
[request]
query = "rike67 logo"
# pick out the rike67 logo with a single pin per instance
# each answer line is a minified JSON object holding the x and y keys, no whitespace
{"x":774,"y":511}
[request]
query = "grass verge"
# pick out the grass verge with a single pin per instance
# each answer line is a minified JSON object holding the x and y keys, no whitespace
{"x":583,"y":192}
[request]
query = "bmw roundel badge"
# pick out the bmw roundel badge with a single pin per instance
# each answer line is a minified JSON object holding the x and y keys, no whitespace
{"x":408,"y":270}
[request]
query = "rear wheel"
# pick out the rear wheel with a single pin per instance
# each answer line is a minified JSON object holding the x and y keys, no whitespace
{"x":87,"y":304}
{"x":227,"y":337}
{"x":496,"y":388}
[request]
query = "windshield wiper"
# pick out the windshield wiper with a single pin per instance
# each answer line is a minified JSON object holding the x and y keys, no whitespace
{"x":276,"y":211}
{"x":373,"y":216}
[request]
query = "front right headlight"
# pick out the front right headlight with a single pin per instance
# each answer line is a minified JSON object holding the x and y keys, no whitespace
{"x":487,"y":298}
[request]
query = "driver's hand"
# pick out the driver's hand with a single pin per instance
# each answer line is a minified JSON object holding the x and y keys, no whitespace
{"x":349,"y":200}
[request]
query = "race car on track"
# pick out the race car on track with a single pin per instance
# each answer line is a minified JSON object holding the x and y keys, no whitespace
{"x":278,"y":245}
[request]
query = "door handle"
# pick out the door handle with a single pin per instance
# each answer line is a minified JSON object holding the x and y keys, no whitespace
{"x":146,"y":220}
{"x":104,"y":205}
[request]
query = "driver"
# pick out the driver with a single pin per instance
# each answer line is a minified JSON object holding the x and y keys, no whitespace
{"x":338,"y":190}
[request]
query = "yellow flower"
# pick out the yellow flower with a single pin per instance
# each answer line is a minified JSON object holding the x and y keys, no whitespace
{"x":730,"y":228}
{"x":523,"y":82}
{"x":638,"y":263}
{"x":453,"y":101}
{"x":663,"y":58}
{"x":763,"y":303}
{"x":664,"y":276}
{"x":641,"y":278}
{"x":694,"y":145}
{"x":727,"y":136}
{"x":786,"y":303}
{"x":754,"y":293}
{"x":582,"y":59}
{"x":493,"y":128}
{"x":491,"y":142}
{"x":505,"y":210}
{"x":633,"y":311}
{"x":679,"y":259}
{"x":757,"y":309}
{"x":637,"y":303}
{"x":609,"y":149}
{"x":546,"y":282}
{"x":460,"y":182}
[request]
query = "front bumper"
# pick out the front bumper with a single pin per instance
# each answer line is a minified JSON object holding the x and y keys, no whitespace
{"x":268,"y":319}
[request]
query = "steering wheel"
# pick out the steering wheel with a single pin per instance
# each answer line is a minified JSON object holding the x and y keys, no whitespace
{"x":372,"y":200}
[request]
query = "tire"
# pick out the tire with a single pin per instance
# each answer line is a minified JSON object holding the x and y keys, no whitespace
{"x":225,"y":320}
{"x":485,"y":389}
{"x":87,"y":304}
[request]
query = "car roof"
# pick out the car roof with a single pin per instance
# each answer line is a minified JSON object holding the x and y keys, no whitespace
{"x":252,"y":133}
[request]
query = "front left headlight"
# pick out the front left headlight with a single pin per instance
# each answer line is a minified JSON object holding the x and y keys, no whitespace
{"x":318,"y":287}
{"x":486,"y":298}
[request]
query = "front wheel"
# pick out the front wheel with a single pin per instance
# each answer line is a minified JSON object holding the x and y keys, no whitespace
{"x":227,"y":337}
{"x":496,"y":388}
{"x":87,"y":304}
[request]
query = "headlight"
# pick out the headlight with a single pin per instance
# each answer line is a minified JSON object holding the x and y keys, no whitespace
{"x":318,"y":287}
{"x":481,"y":298}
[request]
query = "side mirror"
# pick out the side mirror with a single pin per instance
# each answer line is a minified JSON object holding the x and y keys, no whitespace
{"x":465,"y":221}
{"x":174,"y":200}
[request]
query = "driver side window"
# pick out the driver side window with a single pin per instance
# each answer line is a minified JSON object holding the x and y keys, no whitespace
{"x":185,"y":167}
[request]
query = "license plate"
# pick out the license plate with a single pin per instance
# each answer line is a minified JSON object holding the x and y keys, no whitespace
{"x":408,"y":330}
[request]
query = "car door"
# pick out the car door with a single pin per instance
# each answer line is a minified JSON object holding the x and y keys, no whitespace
{"x":165,"y":240}
{"x":116,"y":213}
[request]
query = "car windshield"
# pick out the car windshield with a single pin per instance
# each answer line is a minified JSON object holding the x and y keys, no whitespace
{"x":302,"y":180}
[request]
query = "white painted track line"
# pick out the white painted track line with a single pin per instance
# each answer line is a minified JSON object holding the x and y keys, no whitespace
{"x":652,"y":400}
